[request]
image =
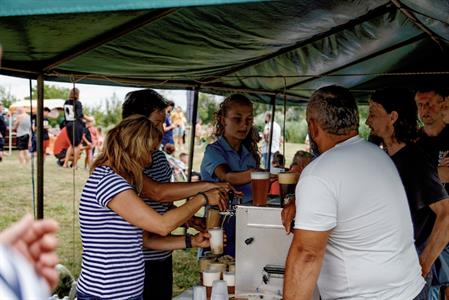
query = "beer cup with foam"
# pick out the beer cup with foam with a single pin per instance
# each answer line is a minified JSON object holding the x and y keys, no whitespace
{"x":287,"y":183}
{"x":260,"y":184}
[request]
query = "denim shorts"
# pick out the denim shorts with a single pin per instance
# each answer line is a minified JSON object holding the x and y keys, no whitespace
{"x":178,"y":131}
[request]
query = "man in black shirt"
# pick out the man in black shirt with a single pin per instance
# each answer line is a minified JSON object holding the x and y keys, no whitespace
{"x":434,"y":136}
{"x":434,"y":139}
{"x":393,"y":118}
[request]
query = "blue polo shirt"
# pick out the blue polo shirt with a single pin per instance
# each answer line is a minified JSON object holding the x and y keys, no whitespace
{"x":221,"y":153}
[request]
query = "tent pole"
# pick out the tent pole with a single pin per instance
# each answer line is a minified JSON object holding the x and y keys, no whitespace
{"x":40,"y":146}
{"x":270,"y":143}
{"x":192,"y":134}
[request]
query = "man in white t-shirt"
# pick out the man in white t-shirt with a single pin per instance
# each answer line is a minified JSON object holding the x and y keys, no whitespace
{"x":353,"y":231}
{"x":266,"y":139}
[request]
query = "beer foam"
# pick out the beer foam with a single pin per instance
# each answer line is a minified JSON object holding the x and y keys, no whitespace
{"x":288,"y":178}
{"x":260,"y":175}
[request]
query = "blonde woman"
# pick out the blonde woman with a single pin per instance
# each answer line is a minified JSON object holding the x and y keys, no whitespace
{"x":113,"y":216}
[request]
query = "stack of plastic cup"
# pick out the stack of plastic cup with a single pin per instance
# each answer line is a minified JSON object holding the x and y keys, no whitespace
{"x":219,"y":290}
{"x":229,"y":277}
{"x":208,"y":279}
{"x":199,"y":293}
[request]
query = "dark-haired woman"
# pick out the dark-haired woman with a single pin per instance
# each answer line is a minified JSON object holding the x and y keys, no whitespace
{"x":159,"y":192}
{"x":234,"y":155}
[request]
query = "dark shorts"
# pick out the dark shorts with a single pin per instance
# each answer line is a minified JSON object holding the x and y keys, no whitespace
{"x":75,"y":132}
{"x":158,"y":279}
{"x":22,"y":142}
{"x":2,"y":143}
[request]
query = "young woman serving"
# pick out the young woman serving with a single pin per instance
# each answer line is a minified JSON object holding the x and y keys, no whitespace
{"x":234,"y":155}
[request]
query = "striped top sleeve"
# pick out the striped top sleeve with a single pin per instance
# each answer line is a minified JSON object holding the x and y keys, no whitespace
{"x":159,"y":171}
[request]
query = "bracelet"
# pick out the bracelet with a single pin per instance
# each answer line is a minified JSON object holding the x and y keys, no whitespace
{"x":205,"y":197}
{"x":188,"y":240}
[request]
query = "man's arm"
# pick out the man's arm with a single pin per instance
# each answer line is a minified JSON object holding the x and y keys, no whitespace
{"x":172,"y":191}
{"x":304,"y":263}
{"x":443,"y":171}
{"x":439,"y":237}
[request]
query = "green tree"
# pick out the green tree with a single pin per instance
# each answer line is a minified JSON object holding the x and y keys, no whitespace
{"x":6,"y":98}
{"x":107,"y":115}
{"x":207,"y":106}
{"x":51,"y":92}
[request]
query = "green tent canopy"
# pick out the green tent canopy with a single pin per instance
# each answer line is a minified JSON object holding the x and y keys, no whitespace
{"x":262,"y":48}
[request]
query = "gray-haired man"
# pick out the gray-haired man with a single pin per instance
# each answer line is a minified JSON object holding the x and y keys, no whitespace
{"x":353,"y":232}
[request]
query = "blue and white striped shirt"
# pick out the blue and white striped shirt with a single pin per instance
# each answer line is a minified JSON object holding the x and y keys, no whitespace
{"x":112,"y":263}
{"x":159,"y":171}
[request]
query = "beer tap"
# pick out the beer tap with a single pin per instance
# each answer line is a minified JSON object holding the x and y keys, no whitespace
{"x":233,"y":200}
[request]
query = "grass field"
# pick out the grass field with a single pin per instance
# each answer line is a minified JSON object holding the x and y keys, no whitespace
{"x":62,"y":189}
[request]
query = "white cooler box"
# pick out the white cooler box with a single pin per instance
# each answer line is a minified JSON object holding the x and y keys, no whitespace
{"x":261,"y":250}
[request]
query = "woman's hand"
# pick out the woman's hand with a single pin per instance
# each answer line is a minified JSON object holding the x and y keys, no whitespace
{"x":197,"y":223}
{"x":227,"y":187}
{"x":201,"y":240}
{"x":217,"y":197}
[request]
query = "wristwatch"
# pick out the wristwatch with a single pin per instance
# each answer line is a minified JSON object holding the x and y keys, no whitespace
{"x":188,"y":240}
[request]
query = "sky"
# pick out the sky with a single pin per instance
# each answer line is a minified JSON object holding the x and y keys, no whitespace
{"x":90,"y":95}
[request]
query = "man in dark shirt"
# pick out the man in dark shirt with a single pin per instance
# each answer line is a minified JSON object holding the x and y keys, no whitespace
{"x":434,"y":139}
{"x":393,"y":118}
{"x":434,"y":136}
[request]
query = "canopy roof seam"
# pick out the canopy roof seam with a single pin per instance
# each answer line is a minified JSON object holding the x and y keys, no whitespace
{"x":109,"y":36}
{"x":365,"y":58}
{"x":409,"y":14}
{"x":379,"y":11}
{"x":427,"y":16}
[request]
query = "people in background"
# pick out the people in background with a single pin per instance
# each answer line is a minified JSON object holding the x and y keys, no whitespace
{"x":100,"y":139}
{"x":234,"y":155}
{"x":93,"y":134}
{"x":113,"y":216}
{"x":2,"y":131}
{"x":158,"y":192}
{"x":300,"y":160}
{"x":393,"y":117}
{"x":28,"y":257}
{"x":353,"y":232}
{"x":179,"y":120}
{"x":74,"y":122}
{"x":199,"y":134}
{"x":22,"y":126}
{"x":278,"y":161}
{"x":46,"y":136}
{"x":168,"y":126}
{"x":62,"y":143}
{"x":276,"y":140}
